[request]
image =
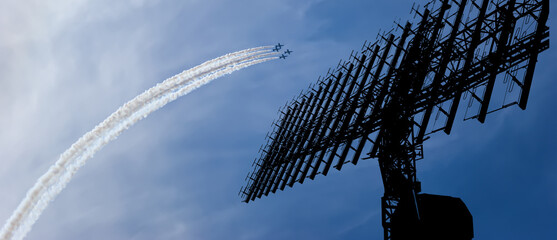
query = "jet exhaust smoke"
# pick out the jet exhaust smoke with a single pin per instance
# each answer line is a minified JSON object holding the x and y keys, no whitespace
{"x":50,"y":184}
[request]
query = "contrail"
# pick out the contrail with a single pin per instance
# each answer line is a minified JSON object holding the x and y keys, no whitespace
{"x":49,"y":185}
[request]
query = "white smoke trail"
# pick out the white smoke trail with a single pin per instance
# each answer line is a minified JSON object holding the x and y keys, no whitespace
{"x":206,"y":67}
{"x":57,"y":177}
{"x":77,"y":148}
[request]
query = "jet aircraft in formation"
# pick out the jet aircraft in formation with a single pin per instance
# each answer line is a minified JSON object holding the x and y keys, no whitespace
{"x":285,"y":54}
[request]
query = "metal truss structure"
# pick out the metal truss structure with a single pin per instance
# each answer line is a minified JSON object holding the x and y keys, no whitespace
{"x":389,"y":97}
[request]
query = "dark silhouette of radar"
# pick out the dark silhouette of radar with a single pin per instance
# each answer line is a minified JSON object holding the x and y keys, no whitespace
{"x":393,"y":94}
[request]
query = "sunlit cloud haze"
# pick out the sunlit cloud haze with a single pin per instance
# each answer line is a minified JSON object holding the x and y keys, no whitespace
{"x":66,"y":65}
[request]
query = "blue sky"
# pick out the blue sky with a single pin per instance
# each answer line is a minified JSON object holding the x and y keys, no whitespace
{"x":66,"y":65}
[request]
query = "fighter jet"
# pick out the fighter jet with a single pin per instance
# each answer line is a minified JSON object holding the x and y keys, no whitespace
{"x":277,"y":47}
{"x":282,"y":56}
{"x":288,"y":51}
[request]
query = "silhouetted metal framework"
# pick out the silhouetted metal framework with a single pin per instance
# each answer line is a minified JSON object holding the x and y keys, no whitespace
{"x":389,"y":97}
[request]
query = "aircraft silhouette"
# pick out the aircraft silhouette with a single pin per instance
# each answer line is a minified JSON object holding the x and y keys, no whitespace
{"x":278,"y":47}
